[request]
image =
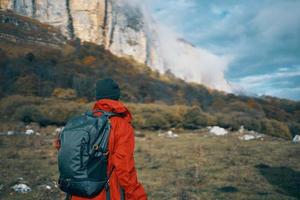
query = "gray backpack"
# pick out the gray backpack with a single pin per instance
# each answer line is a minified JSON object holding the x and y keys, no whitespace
{"x":83,"y":155}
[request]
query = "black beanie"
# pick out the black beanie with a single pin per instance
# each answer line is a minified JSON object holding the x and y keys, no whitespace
{"x":107,"y":89}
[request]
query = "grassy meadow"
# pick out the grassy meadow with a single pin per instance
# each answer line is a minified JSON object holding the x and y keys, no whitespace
{"x":196,"y":165}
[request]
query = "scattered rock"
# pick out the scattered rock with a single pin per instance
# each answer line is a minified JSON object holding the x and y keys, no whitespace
{"x":216,"y":130}
{"x":29,"y":132}
{"x":168,"y":134}
{"x":37,"y":133}
{"x":247,"y":137}
{"x":55,"y":184}
{"x":47,"y":187}
{"x":20,"y":179}
{"x":58,"y":130}
{"x":296,"y":139}
{"x":251,"y":136}
{"x":22,"y":188}
{"x":10,"y":132}
{"x":242,"y":129}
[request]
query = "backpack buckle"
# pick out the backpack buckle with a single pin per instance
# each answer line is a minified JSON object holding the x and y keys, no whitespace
{"x":96,"y":147}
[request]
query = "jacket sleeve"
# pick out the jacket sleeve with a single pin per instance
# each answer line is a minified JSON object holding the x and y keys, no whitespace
{"x":123,"y":162}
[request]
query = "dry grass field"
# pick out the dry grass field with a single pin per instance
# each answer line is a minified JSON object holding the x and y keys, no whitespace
{"x":193,"y":166}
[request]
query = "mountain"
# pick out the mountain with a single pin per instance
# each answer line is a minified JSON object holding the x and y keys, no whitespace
{"x":117,"y":25}
{"x":127,"y":29}
{"x":38,"y":64}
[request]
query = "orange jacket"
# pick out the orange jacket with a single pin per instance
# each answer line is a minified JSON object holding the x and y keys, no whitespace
{"x":121,"y":148}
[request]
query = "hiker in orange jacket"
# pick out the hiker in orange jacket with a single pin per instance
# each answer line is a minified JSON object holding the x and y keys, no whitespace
{"x":123,"y":182}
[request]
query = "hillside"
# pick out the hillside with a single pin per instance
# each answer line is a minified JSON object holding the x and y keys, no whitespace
{"x":37,"y":62}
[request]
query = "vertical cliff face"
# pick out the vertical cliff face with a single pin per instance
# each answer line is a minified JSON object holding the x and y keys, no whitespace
{"x":115,"y":24}
{"x":123,"y":27}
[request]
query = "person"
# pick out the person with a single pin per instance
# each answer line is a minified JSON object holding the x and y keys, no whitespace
{"x":123,"y":182}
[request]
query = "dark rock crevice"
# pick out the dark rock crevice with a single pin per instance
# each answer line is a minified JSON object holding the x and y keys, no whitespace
{"x":33,"y":4}
{"x":70,"y":21}
{"x":15,"y":4}
{"x":105,"y":23}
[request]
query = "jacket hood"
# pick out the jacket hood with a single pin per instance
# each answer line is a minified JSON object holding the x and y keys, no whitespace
{"x":110,"y":105}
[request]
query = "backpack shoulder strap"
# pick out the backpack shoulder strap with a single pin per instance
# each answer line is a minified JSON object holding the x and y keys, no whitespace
{"x":108,"y":114}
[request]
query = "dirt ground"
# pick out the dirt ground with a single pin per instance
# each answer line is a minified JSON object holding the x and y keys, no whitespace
{"x":192,"y":166}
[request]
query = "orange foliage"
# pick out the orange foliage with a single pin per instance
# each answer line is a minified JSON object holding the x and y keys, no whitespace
{"x":252,"y":104}
{"x":89,"y":60}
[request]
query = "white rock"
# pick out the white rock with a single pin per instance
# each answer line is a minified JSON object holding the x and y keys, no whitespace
{"x":161,"y":134}
{"x":48,"y":187}
{"x":216,"y":130}
{"x":22,"y":188}
{"x":251,"y":136}
{"x":20,"y":179}
{"x":168,"y":134}
{"x":59,"y":129}
{"x":10,"y":132}
{"x":296,"y":139}
{"x":247,"y":137}
{"x":29,"y":132}
{"x":37,"y":133}
{"x":242,"y":129}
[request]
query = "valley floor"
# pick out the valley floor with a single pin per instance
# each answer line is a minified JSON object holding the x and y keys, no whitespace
{"x":192,"y":166}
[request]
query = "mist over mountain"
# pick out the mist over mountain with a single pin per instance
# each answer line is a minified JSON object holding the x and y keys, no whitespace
{"x":126,"y":28}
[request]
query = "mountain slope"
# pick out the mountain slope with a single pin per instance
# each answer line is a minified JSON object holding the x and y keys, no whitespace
{"x":37,"y":66}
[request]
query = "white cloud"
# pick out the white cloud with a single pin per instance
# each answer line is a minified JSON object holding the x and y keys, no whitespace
{"x":186,"y":61}
{"x":277,"y":83}
{"x":247,"y":37}
{"x":258,"y":79}
{"x":193,"y":63}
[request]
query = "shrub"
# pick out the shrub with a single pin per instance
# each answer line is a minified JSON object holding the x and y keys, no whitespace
{"x":27,"y":85}
{"x":275,"y":128}
{"x":64,"y":93}
{"x":155,"y":121}
{"x":28,"y":113}
{"x":294,"y":128}
{"x":227,"y":121}
{"x":58,"y":113}
{"x":195,"y":118}
{"x":156,"y":116}
{"x":10,"y":104}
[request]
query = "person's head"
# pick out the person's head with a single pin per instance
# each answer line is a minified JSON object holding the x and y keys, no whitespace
{"x":107,"y":89}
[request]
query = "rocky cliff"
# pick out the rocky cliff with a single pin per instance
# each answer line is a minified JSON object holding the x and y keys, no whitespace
{"x":116,"y":24}
{"x":125,"y":28}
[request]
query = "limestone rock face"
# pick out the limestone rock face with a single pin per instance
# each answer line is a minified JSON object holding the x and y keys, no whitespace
{"x":112,"y":23}
{"x":88,"y":20}
{"x":124,"y":28}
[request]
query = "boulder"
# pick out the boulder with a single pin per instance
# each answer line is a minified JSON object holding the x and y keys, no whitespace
{"x":296,"y":139}
{"x":216,"y":130}
{"x":29,"y":132}
{"x":22,"y":188}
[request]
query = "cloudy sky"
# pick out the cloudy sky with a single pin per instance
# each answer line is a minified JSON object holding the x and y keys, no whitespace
{"x":261,"y":36}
